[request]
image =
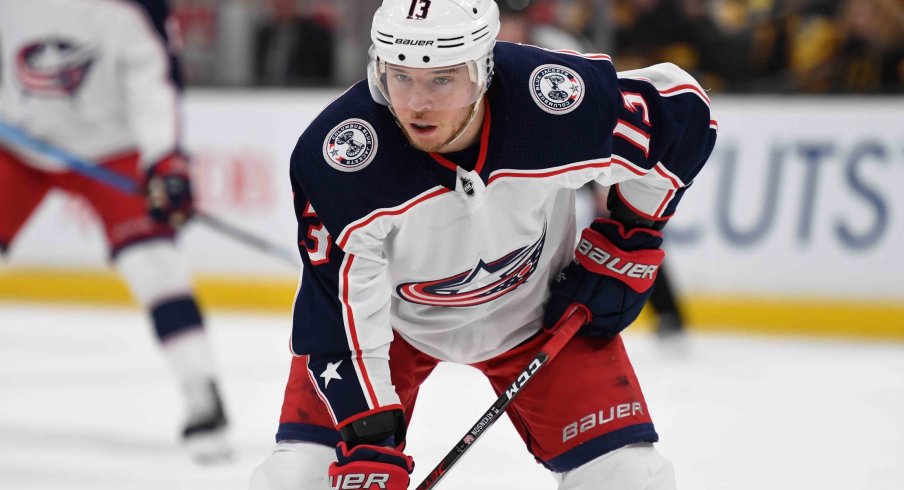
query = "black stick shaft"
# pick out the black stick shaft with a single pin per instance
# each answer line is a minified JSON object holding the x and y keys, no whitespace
{"x":571,"y":322}
{"x":247,"y":238}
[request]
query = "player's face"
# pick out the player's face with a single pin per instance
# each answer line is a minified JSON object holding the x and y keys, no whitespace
{"x":432,"y":105}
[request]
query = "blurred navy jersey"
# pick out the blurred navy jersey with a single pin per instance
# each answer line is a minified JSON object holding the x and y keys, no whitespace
{"x":457,"y":261}
{"x":96,"y":78}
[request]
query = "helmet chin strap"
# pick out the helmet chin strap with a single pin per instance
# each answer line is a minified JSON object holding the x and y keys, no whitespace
{"x":464,"y":128}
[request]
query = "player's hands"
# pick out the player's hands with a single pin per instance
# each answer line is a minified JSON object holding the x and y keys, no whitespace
{"x":168,"y":190}
{"x":612,"y":276}
{"x":368,"y":467}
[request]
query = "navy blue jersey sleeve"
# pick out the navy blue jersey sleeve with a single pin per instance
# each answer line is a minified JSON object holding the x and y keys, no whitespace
{"x":665,"y":133}
{"x":317,"y":317}
{"x":349,"y":364}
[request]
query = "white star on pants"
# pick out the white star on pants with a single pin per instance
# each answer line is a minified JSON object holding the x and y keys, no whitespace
{"x":331,"y":372}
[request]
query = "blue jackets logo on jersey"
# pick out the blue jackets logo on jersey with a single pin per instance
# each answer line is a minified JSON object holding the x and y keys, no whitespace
{"x":483,"y":283}
{"x":53,"y":67}
{"x":556,"y":89}
{"x":351,"y":145}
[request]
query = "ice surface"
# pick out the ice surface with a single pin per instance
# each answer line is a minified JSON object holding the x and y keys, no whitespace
{"x":86,"y":402}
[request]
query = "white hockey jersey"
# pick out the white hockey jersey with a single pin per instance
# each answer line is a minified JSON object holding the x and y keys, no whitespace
{"x":91,"y":77}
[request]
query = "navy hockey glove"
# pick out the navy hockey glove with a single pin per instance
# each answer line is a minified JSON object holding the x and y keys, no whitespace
{"x":612,"y":276}
{"x":369,"y":467}
{"x":168,"y":191}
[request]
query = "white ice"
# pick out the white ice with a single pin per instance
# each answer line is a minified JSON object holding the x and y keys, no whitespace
{"x":86,"y":402}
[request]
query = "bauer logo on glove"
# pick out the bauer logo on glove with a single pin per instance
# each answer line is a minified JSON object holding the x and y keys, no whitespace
{"x":612,"y":275}
{"x":636,"y":269}
{"x":359,"y":481}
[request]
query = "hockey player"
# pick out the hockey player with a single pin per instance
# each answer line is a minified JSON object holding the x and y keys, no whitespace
{"x":435,"y":204}
{"x":97,"y":79}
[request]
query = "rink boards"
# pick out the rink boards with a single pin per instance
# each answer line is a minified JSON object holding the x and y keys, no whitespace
{"x":795,"y":225}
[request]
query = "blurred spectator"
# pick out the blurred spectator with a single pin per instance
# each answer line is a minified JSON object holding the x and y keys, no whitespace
{"x":796,"y":45}
{"x":197,"y":25}
{"x":870,"y":55}
{"x":823,"y":46}
{"x":680,"y":31}
{"x":526,"y":23}
{"x":771,"y":30}
{"x":292,"y":48}
{"x":815,"y":46}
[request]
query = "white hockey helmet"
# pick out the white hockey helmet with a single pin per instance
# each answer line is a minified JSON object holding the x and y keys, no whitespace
{"x":420,"y":36}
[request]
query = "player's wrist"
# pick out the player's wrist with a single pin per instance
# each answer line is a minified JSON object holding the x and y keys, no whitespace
{"x":627,"y":238}
{"x":385,"y":428}
{"x":375,"y":454}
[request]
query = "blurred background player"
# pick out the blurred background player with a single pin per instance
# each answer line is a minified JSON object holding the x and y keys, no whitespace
{"x":663,"y":300}
{"x":98,"y":79}
{"x":292,"y":48}
{"x":522,"y":24}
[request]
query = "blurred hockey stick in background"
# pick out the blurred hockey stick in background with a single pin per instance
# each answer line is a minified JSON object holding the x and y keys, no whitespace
{"x":19,"y":138}
{"x":572,"y":320}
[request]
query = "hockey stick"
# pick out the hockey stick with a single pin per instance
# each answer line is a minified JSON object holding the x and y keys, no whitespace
{"x":574,"y":318}
{"x":127,"y":186}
